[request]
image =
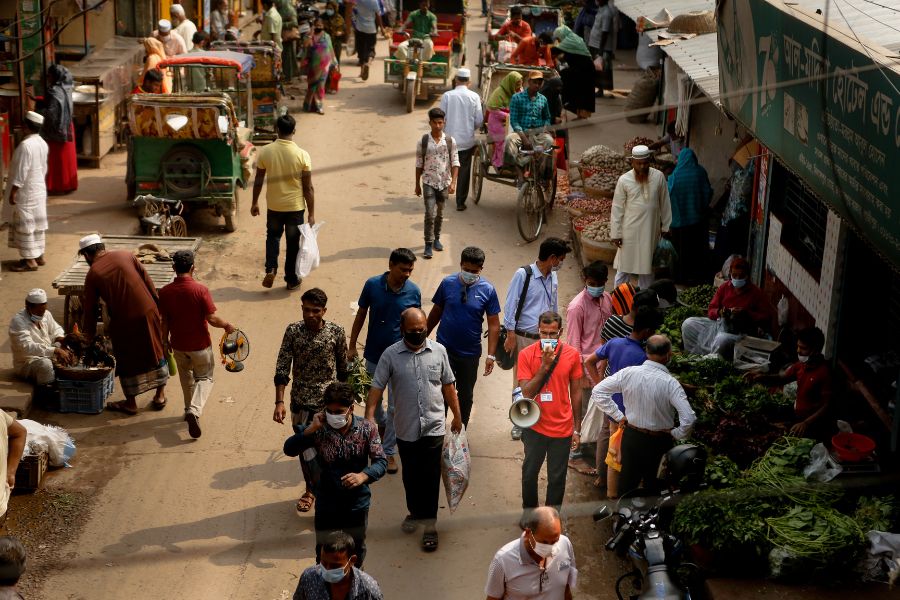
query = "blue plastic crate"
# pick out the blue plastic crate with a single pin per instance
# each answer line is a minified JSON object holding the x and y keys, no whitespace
{"x":85,"y":397}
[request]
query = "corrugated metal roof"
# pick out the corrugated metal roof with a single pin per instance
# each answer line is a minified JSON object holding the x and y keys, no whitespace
{"x":879,"y":24}
{"x":649,"y":8}
{"x":699,"y":58}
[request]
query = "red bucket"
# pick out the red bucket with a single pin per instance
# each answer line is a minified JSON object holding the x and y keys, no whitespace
{"x":852,"y":447}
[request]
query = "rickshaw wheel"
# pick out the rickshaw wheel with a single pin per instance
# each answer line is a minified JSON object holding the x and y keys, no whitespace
{"x":231,"y":215}
{"x":184,"y":168}
{"x":477,"y":174}
{"x":177,"y":227}
{"x":410,"y":97}
{"x":530,"y":211}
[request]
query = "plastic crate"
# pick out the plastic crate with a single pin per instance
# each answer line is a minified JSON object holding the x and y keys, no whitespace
{"x":85,"y":397}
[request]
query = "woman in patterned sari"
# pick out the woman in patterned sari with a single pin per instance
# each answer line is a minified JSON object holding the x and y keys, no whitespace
{"x":320,"y":55}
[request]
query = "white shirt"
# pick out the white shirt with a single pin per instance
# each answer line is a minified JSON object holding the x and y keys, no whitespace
{"x":514,"y":575}
{"x":186,"y":29}
{"x":28,"y":172}
{"x":29,"y":341}
{"x":464,"y":115}
{"x":651,"y":396}
{"x":173,"y":43}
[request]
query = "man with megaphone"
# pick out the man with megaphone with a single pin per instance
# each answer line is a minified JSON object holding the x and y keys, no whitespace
{"x":550,"y":374}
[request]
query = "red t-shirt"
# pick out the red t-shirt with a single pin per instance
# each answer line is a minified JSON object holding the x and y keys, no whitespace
{"x":749,"y":298}
{"x":813,"y":386}
{"x":553,"y":399}
{"x":522,"y":29}
{"x":184,"y":305}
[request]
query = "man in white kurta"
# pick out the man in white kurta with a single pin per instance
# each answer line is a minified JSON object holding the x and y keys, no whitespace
{"x":641,"y":212}
{"x":183,"y":26}
{"x":35,"y":337}
{"x":25,"y":206}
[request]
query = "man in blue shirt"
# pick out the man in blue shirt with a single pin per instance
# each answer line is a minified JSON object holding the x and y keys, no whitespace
{"x":386,"y":296}
{"x":460,"y":304}
{"x":540,"y":297}
{"x":529,"y":116}
{"x":617,"y":354}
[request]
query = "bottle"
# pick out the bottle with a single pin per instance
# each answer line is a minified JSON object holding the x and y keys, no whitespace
{"x":517,"y":395}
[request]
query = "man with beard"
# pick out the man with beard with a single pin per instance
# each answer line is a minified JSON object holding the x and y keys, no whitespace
{"x":641,"y":212}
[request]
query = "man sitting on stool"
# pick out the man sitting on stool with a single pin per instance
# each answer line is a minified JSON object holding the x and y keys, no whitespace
{"x":35,"y":338}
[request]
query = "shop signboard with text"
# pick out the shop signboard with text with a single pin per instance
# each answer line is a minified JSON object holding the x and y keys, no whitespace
{"x":826,"y":106}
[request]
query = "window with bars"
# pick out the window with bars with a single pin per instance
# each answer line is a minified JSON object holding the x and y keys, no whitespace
{"x":804,"y":219}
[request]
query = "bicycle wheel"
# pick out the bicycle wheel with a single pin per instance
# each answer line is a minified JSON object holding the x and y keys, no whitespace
{"x":176,"y":227}
{"x":477,"y":174}
{"x":530,"y":211}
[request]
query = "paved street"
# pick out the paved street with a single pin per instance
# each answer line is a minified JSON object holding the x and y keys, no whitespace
{"x":214,"y":517}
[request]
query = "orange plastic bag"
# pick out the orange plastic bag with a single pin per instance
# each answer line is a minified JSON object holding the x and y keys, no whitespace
{"x":614,"y":456}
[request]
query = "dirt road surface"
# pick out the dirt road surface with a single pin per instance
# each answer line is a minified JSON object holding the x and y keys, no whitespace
{"x":214,"y":518}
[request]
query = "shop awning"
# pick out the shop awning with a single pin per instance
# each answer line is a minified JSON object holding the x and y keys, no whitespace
{"x":649,"y":8}
{"x":879,"y":24}
{"x":699,"y":58}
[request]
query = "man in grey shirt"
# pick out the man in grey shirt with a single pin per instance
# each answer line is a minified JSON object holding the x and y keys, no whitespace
{"x":418,"y":371}
{"x":602,"y":42}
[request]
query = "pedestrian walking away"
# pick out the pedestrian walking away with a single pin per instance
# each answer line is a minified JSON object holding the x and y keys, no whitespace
{"x":641,"y":213}
{"x":25,"y":208}
{"x":135,"y":324}
{"x":59,"y":132}
{"x":532,"y":292}
{"x":602,"y":41}
{"x":187,"y":310}
{"x":463,"y":118}
{"x":578,"y":74}
{"x":550,"y":373}
{"x":437,"y":167}
{"x":287,"y":171}
{"x":35,"y":340}
{"x":460,"y":305}
{"x":366,"y":20}
{"x":539,"y":565}
{"x":383,"y":299}
{"x":652,"y":398}
{"x":690,"y":194}
{"x":313,"y":352}
{"x":350,"y":457}
{"x":336,"y":575}
{"x":421,"y":380}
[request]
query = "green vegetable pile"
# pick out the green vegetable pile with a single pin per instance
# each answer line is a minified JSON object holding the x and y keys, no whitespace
{"x":359,"y":380}
{"x":808,"y":539}
{"x":698,"y":296}
{"x":721,"y":471}
{"x":879,"y":513}
{"x":673,"y":319}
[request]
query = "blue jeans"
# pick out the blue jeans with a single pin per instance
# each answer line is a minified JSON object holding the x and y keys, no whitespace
{"x":385,"y":418}
{"x":287,"y":223}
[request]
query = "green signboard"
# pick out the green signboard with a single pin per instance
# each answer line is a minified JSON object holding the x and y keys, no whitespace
{"x":31,"y":38}
{"x":828,"y":108}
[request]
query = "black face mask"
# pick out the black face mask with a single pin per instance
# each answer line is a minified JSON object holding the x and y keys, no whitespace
{"x":415,"y":338}
{"x":318,"y":30}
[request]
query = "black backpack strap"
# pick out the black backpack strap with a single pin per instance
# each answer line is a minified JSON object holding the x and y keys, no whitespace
{"x":523,"y":293}
{"x":424,"y":148}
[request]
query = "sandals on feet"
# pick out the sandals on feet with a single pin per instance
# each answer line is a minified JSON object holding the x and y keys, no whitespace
{"x":430,"y":540}
{"x":121,"y":407}
{"x":305,"y":503}
{"x":157,"y":405}
{"x":22,"y":267}
{"x":409,"y":525}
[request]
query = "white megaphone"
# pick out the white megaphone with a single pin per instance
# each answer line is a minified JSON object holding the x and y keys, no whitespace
{"x":524,"y":413}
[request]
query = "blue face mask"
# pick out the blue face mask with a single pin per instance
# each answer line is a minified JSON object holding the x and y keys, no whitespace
{"x":333,"y":575}
{"x":36,"y":319}
{"x":595,"y":292}
{"x":328,"y":12}
{"x":738,"y":283}
{"x":468,"y":278}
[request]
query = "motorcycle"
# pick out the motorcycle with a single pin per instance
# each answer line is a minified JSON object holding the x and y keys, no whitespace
{"x":639,"y":519}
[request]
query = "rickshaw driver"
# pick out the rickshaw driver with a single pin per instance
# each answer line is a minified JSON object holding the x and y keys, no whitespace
{"x":528,"y":112}
{"x":423,"y":23}
{"x":515,"y":28}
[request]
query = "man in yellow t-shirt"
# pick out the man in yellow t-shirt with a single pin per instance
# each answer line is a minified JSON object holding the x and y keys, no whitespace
{"x":289,"y":195}
{"x":12,"y":444}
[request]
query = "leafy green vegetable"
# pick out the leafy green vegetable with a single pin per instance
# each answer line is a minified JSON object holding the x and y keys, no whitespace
{"x":877,"y":513}
{"x":359,"y":380}
{"x":698,"y":296}
{"x":673,"y":319}
{"x":721,"y":472}
{"x":809,"y":538}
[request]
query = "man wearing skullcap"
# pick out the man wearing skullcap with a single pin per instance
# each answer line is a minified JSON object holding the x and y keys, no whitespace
{"x":35,"y":339}
{"x":26,"y":197}
{"x":183,"y":26}
{"x":171,"y":40}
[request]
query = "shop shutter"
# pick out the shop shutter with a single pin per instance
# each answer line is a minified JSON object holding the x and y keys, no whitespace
{"x":804,"y":219}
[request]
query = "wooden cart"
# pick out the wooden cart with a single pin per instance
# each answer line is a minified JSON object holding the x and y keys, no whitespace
{"x":70,"y":282}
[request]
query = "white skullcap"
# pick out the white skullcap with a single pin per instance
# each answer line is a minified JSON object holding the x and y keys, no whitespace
{"x":36,"y":296}
{"x":34,"y":117}
{"x":640,"y":152}
{"x":89,"y":240}
{"x":176,"y":9}
{"x":165,"y":26}
{"x":464,"y":73}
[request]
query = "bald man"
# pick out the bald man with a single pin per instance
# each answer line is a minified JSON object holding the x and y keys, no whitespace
{"x":541,"y":554}
{"x":418,"y":371}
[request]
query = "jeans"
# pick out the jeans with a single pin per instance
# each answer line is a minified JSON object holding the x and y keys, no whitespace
{"x":289,"y":224}
{"x":465,"y":369}
{"x":434,"y":211}
{"x":330,"y":518}
{"x":641,"y":453}
{"x":422,"y":476}
{"x":195,"y":370}
{"x":484,"y":7}
{"x":384,"y":418}
{"x":556,"y":451}
{"x":644,"y":281}
{"x":365,"y":46}
{"x":465,"y":175}
{"x":309,"y":469}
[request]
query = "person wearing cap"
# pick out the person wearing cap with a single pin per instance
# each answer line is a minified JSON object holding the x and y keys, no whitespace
{"x":26,"y":196}
{"x":463,"y":116}
{"x":529,"y":117}
{"x":171,"y":40}
{"x":135,"y":325}
{"x":187,"y":310}
{"x":184,"y":27}
{"x":35,"y":338}
{"x":641,"y":213}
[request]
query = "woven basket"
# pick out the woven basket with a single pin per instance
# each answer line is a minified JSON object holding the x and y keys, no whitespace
{"x":592,"y":250}
{"x":82,"y":374}
{"x":694,"y":22}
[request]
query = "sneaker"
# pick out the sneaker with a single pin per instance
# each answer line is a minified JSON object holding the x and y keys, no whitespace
{"x":438,"y":245}
{"x":364,"y":73}
{"x":193,"y":422}
{"x":294,"y":286}
{"x":516,"y":433}
{"x":269,"y":279}
{"x":428,"y":253}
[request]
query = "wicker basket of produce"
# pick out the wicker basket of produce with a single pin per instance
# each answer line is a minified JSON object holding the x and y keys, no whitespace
{"x":694,"y":22}
{"x":583,"y":204}
{"x":81,"y":373}
{"x":600,"y":182}
{"x":595,"y":244}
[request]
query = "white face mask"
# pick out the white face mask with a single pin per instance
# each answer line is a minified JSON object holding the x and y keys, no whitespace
{"x":337,"y":421}
{"x":469,"y":278}
{"x":541,"y":549}
{"x":802,"y":359}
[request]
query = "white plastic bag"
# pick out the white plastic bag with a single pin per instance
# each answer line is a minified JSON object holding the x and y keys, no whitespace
{"x":592,"y":423}
{"x":455,"y":465}
{"x":308,"y":256}
{"x":505,"y":49}
{"x":820,"y":468}
{"x":56,"y":441}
